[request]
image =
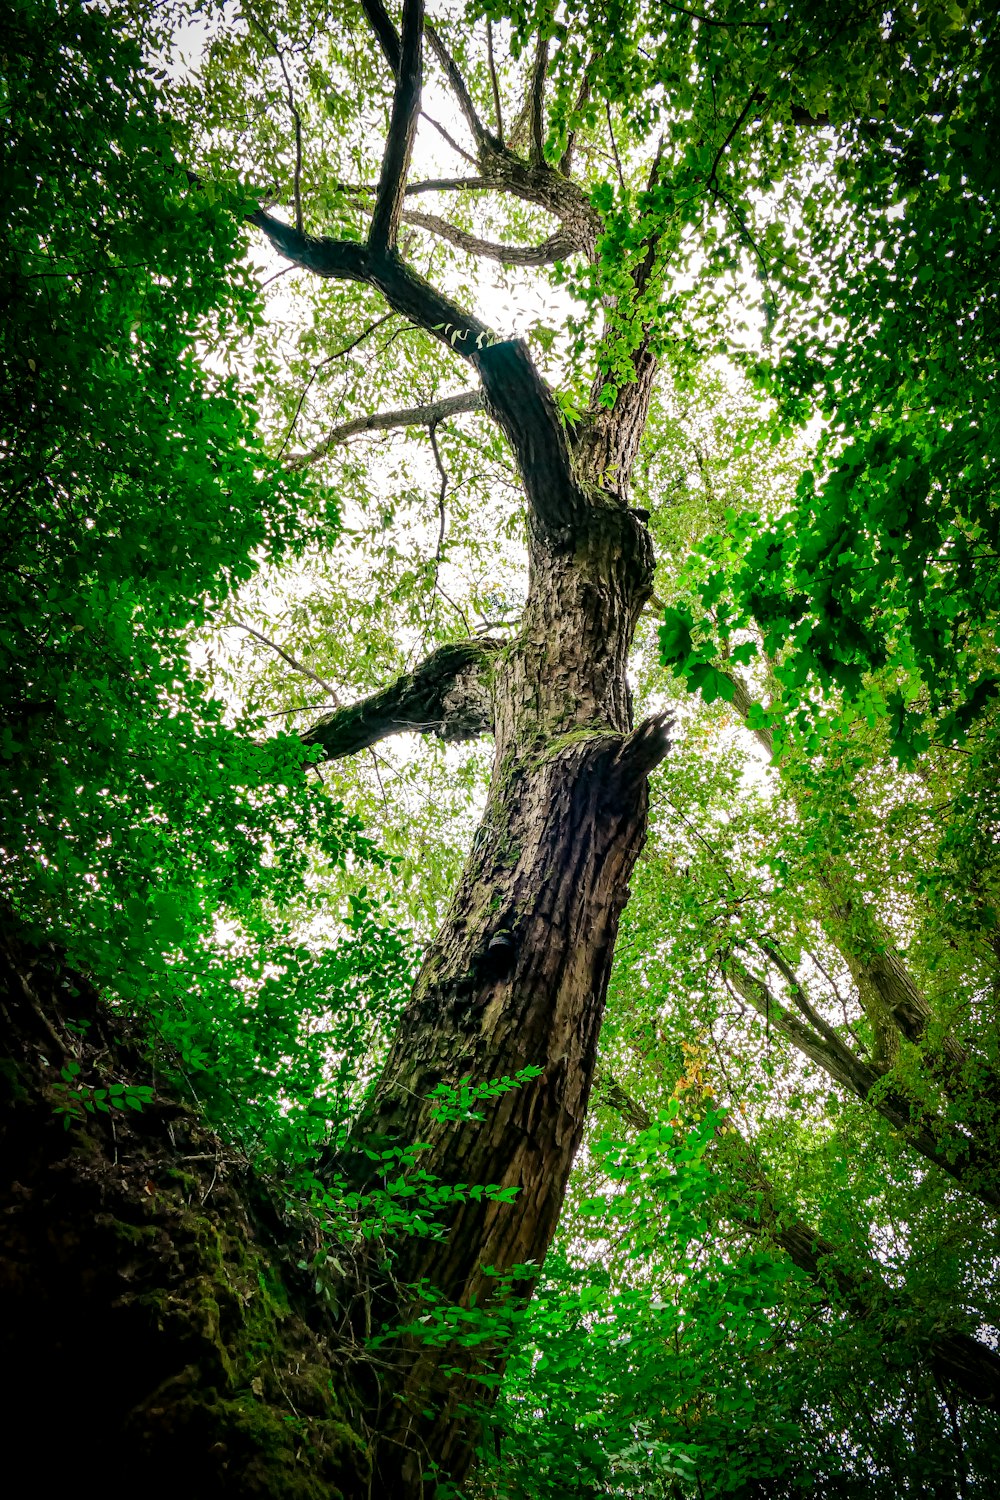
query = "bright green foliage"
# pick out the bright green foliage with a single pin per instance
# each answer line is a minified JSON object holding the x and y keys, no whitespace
{"x":136,"y":496}
{"x":844,"y":159}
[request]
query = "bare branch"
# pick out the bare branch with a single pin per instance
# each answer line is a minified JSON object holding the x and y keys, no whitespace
{"x":447,"y":696}
{"x":272,"y":42}
{"x":414,"y":416}
{"x":458,"y":86}
{"x":536,"y":102}
{"x":614,"y":146}
{"x":402,"y":132}
{"x":558,"y":246}
{"x":320,"y":365}
{"x":291,"y":660}
{"x":442,"y":493}
{"x":449,"y":138}
{"x":494,"y":82}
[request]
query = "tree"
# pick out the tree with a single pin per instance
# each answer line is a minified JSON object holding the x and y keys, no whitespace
{"x":659,"y":142}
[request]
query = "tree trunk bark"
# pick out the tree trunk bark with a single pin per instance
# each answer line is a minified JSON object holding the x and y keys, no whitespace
{"x":518,"y":974}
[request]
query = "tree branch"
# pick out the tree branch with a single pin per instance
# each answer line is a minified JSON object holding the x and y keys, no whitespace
{"x":458,"y":87}
{"x":272,"y":42}
{"x":953,"y":1152}
{"x":449,"y":185}
{"x":402,"y":132}
{"x":447,"y":696}
{"x":515,"y":395}
{"x":523,"y":406}
{"x":385,"y":31}
{"x":614,"y":146}
{"x":403,"y":288}
{"x":536,"y":102}
{"x":557,"y":247}
{"x":798,"y":993}
{"x":384,"y":421}
{"x":290,"y":659}
{"x":442,"y":495}
{"x":566,"y":160}
{"x":733,"y":132}
{"x":446,"y":136}
{"x":742,"y":703}
{"x":494,"y":82}
{"x":321,"y":365}
{"x":958,"y":1357}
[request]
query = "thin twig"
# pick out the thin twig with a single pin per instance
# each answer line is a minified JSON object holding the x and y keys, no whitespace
{"x":321,"y":364}
{"x":450,"y":139}
{"x":614,"y":146}
{"x":293,"y":109}
{"x":441,"y":526}
{"x":432,"y":434}
{"x":711,"y":20}
{"x":733,"y":133}
{"x":378,"y":778}
{"x":291,"y":660}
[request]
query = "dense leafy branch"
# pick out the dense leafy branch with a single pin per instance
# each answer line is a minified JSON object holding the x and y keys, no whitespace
{"x":752,"y":1199}
{"x":951,"y":1150}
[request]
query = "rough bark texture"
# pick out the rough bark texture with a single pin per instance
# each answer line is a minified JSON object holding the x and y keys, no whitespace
{"x":518,"y":974}
{"x":148,"y":1285}
{"x":447,"y":696}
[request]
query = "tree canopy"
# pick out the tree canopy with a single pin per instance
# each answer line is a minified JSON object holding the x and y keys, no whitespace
{"x":419,"y":430}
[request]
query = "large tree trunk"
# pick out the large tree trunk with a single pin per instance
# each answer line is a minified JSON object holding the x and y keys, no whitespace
{"x":518,"y":974}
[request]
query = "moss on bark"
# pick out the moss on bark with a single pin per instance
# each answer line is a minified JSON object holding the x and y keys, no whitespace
{"x":154,"y":1329}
